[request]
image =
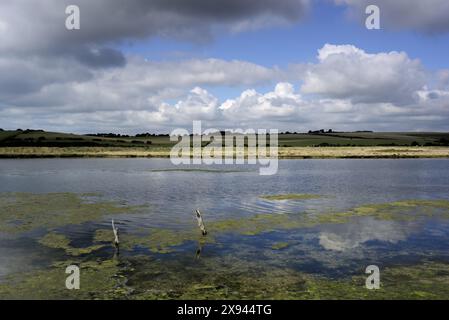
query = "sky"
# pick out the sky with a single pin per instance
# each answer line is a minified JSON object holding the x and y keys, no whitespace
{"x":157,"y":65}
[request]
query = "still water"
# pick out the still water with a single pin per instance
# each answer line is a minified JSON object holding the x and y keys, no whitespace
{"x":170,"y":195}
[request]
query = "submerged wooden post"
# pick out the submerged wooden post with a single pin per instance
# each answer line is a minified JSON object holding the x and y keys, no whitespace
{"x":115,"y":230}
{"x":200,"y":222}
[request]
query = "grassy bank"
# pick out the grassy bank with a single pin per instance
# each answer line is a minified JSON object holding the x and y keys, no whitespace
{"x":284,"y":152}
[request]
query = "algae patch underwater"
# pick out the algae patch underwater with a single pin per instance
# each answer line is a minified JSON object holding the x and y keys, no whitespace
{"x":405,"y":210}
{"x":159,"y":240}
{"x":291,"y":196}
{"x":22,"y":212}
{"x":59,"y":241}
{"x":280,"y":245}
{"x":99,"y":280}
{"x":225,"y":277}
{"x":232,"y":278}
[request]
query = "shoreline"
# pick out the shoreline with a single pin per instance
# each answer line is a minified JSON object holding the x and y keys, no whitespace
{"x":299,"y":153}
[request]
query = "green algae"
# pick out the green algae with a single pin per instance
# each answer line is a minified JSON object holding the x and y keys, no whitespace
{"x":104,"y":235}
{"x":292,"y":196}
{"x":407,"y":210}
{"x":241,"y":279}
{"x":98,"y":280}
{"x":428,"y":280}
{"x":59,"y":241}
{"x":22,"y":212}
{"x":165,"y":240}
{"x":159,"y":240}
{"x":254,"y":225}
{"x":399,"y":211}
{"x":226,"y":277}
{"x":216,"y":278}
{"x":154,"y":239}
{"x":280,"y":245}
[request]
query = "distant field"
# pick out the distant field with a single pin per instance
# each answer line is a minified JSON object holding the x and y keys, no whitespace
{"x":32,"y":143}
{"x":361,"y":139}
{"x":33,"y":138}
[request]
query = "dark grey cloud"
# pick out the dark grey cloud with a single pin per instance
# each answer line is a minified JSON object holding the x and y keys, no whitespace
{"x":26,"y":27}
{"x":231,"y":9}
{"x":101,"y":57}
{"x":36,"y":49}
{"x":21,"y":77}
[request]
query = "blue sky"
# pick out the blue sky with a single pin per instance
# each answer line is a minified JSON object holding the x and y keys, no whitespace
{"x":299,"y":42}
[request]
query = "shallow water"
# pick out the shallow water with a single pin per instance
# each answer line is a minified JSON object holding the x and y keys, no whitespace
{"x":170,"y":197}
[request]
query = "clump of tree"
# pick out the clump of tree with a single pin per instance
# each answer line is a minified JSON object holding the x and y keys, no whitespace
{"x":145,"y":135}
{"x":443,"y":141}
{"x":321,"y":131}
{"x":109,"y":135}
{"x":32,"y":130}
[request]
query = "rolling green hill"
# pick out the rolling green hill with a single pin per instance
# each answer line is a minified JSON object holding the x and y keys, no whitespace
{"x":39,"y":138}
{"x":364,"y":139}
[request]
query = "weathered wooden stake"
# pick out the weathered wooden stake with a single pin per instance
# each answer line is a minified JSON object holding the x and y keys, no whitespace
{"x":115,"y":230}
{"x":200,"y":222}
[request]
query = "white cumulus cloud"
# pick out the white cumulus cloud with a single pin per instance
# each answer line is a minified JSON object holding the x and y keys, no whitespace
{"x":347,"y":72}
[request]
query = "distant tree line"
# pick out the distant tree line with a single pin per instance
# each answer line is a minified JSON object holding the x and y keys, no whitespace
{"x":118,"y":135}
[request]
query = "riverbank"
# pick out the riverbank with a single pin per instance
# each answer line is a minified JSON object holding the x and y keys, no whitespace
{"x":284,"y":152}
